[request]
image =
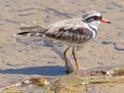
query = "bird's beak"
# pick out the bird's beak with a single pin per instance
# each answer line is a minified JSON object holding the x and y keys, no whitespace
{"x":103,"y":20}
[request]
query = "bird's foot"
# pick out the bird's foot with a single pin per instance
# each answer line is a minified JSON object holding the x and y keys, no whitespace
{"x":76,"y":68}
{"x":69,"y":71}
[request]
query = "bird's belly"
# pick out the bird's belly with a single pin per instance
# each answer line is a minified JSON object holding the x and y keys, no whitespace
{"x":66,"y":42}
{"x":75,"y":40}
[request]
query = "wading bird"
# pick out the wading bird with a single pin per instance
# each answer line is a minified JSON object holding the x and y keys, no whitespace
{"x":72,"y":32}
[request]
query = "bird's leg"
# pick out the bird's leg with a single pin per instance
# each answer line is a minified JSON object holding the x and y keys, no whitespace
{"x":75,"y":59}
{"x":66,"y":62}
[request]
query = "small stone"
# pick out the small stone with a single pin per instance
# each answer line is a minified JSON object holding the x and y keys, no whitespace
{"x":119,"y":46}
{"x":34,"y":22}
{"x":121,"y":33}
{"x":14,"y":35}
{"x":106,"y":42}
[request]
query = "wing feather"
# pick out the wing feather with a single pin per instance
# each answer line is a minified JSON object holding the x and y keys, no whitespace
{"x":73,"y":30}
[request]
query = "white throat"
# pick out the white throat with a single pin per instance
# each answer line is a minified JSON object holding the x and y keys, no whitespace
{"x":94,"y":27}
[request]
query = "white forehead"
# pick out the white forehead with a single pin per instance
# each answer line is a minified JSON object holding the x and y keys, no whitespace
{"x":97,"y":14}
{"x":94,"y":14}
{"x":90,"y":14}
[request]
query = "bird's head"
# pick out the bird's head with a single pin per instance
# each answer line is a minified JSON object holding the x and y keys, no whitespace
{"x":94,"y":18}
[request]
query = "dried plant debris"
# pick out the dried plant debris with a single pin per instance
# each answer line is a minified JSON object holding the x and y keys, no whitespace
{"x":61,"y":86}
{"x":116,"y":72}
{"x":35,"y":81}
{"x":110,"y":71}
{"x":12,"y":92}
{"x":79,"y":84}
{"x":73,"y":83}
{"x":97,"y":72}
{"x":38,"y":81}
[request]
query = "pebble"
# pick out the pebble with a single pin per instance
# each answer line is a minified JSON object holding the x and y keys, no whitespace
{"x":118,"y":46}
{"x":121,"y":33}
{"x":106,"y":42}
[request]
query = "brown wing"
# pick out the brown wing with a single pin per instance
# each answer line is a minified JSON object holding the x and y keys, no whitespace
{"x":73,"y":30}
{"x":71,"y":35}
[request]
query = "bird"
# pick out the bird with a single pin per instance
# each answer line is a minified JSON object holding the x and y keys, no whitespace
{"x":72,"y":32}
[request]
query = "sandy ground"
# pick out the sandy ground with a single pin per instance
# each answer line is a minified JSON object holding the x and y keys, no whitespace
{"x":19,"y":60}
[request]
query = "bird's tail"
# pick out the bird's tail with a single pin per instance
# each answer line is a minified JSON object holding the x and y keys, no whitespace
{"x":32,"y":31}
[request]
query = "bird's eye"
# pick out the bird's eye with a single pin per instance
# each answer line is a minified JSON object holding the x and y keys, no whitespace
{"x":93,"y":18}
{"x":96,"y":18}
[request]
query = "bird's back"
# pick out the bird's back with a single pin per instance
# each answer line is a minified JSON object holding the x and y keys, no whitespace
{"x":70,"y":31}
